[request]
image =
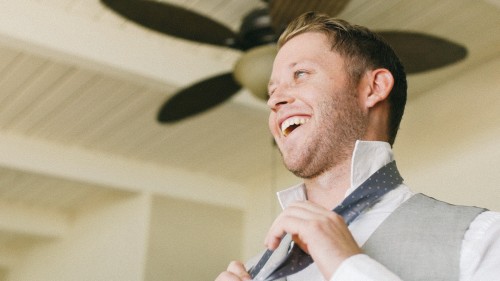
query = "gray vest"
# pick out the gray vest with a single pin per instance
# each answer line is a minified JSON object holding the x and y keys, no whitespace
{"x":422,"y":239}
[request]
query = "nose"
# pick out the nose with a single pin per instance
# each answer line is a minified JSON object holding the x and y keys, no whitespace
{"x":279,"y":97}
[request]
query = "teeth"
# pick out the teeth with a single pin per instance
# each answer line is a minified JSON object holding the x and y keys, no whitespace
{"x":292,"y":123}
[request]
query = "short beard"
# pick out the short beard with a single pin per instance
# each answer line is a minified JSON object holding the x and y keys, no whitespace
{"x":335,"y":143}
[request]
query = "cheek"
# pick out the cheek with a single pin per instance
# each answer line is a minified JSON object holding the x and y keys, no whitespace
{"x":271,"y":123}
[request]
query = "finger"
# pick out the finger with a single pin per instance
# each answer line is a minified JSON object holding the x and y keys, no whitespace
{"x":227,"y":276}
{"x":302,"y":219}
{"x":298,"y":213}
{"x":310,"y":211}
{"x":281,"y":226}
{"x":239,"y":270}
{"x":291,"y":220}
{"x":306,"y":210}
{"x":300,"y":243}
{"x":308,"y":205}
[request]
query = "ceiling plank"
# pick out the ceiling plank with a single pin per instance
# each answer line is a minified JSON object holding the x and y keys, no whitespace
{"x":144,"y":57}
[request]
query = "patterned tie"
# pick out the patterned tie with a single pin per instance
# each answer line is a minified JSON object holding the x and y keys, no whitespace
{"x":365,"y":196}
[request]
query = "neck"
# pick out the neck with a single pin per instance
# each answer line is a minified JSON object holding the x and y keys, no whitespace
{"x":329,"y":188}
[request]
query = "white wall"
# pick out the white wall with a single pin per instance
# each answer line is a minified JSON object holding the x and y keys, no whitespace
{"x":138,"y":237}
{"x":191,"y":241}
{"x":448,"y":142}
{"x":108,"y":242}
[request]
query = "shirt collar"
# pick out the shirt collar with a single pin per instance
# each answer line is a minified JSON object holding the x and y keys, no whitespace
{"x":367,"y":158}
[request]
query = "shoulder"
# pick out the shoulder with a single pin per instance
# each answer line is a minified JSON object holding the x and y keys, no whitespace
{"x":486,"y":223}
{"x":481,"y":248}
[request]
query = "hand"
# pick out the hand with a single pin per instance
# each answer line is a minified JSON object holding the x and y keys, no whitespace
{"x":318,"y":231}
{"x":235,"y":272}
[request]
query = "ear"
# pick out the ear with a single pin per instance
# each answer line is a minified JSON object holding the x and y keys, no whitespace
{"x":379,"y":83}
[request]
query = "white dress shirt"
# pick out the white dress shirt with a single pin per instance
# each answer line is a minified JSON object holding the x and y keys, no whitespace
{"x":480,"y":254}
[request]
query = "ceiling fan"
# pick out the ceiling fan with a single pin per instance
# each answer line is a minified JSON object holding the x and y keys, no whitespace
{"x":258,"y":32}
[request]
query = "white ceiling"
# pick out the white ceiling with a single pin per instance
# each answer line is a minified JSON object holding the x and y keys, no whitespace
{"x":81,"y":87}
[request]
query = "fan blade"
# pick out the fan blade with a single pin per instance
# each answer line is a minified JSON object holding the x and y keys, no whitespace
{"x":175,"y":21}
{"x":198,"y":98}
{"x":284,"y":11}
{"x":422,"y":52}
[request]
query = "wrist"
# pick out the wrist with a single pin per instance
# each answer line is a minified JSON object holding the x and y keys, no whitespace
{"x":329,"y":265}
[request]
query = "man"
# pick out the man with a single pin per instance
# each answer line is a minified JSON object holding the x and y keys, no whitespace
{"x":337,"y":96}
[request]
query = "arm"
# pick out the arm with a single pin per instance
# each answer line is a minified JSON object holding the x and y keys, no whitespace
{"x":479,"y":260}
{"x":363,"y":268}
{"x":325,"y":236}
{"x":480,"y":256}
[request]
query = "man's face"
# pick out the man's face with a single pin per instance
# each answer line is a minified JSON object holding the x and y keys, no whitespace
{"x":315,"y":113}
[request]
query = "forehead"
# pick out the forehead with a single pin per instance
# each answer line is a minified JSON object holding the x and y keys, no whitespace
{"x":311,"y":49}
{"x":309,"y":44}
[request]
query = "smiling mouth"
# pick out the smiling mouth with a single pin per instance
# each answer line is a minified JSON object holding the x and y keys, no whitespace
{"x":291,"y":124}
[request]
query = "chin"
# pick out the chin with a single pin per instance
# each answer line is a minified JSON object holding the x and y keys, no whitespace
{"x":304,"y":174}
{"x":298,"y":169}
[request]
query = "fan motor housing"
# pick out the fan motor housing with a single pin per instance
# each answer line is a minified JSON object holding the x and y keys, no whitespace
{"x":256,"y":29}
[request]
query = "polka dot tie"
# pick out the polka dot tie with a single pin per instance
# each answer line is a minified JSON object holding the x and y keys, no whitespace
{"x":365,"y":196}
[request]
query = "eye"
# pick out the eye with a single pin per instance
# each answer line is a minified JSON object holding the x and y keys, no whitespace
{"x":299,"y":74}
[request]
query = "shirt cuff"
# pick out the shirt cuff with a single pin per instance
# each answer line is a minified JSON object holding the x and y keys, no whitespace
{"x":362,"y":267}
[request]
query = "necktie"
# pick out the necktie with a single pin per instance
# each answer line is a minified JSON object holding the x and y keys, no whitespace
{"x":365,"y":196}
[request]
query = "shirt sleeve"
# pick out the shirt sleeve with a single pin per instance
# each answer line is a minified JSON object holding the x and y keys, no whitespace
{"x":363,"y":268}
{"x":480,"y":256}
